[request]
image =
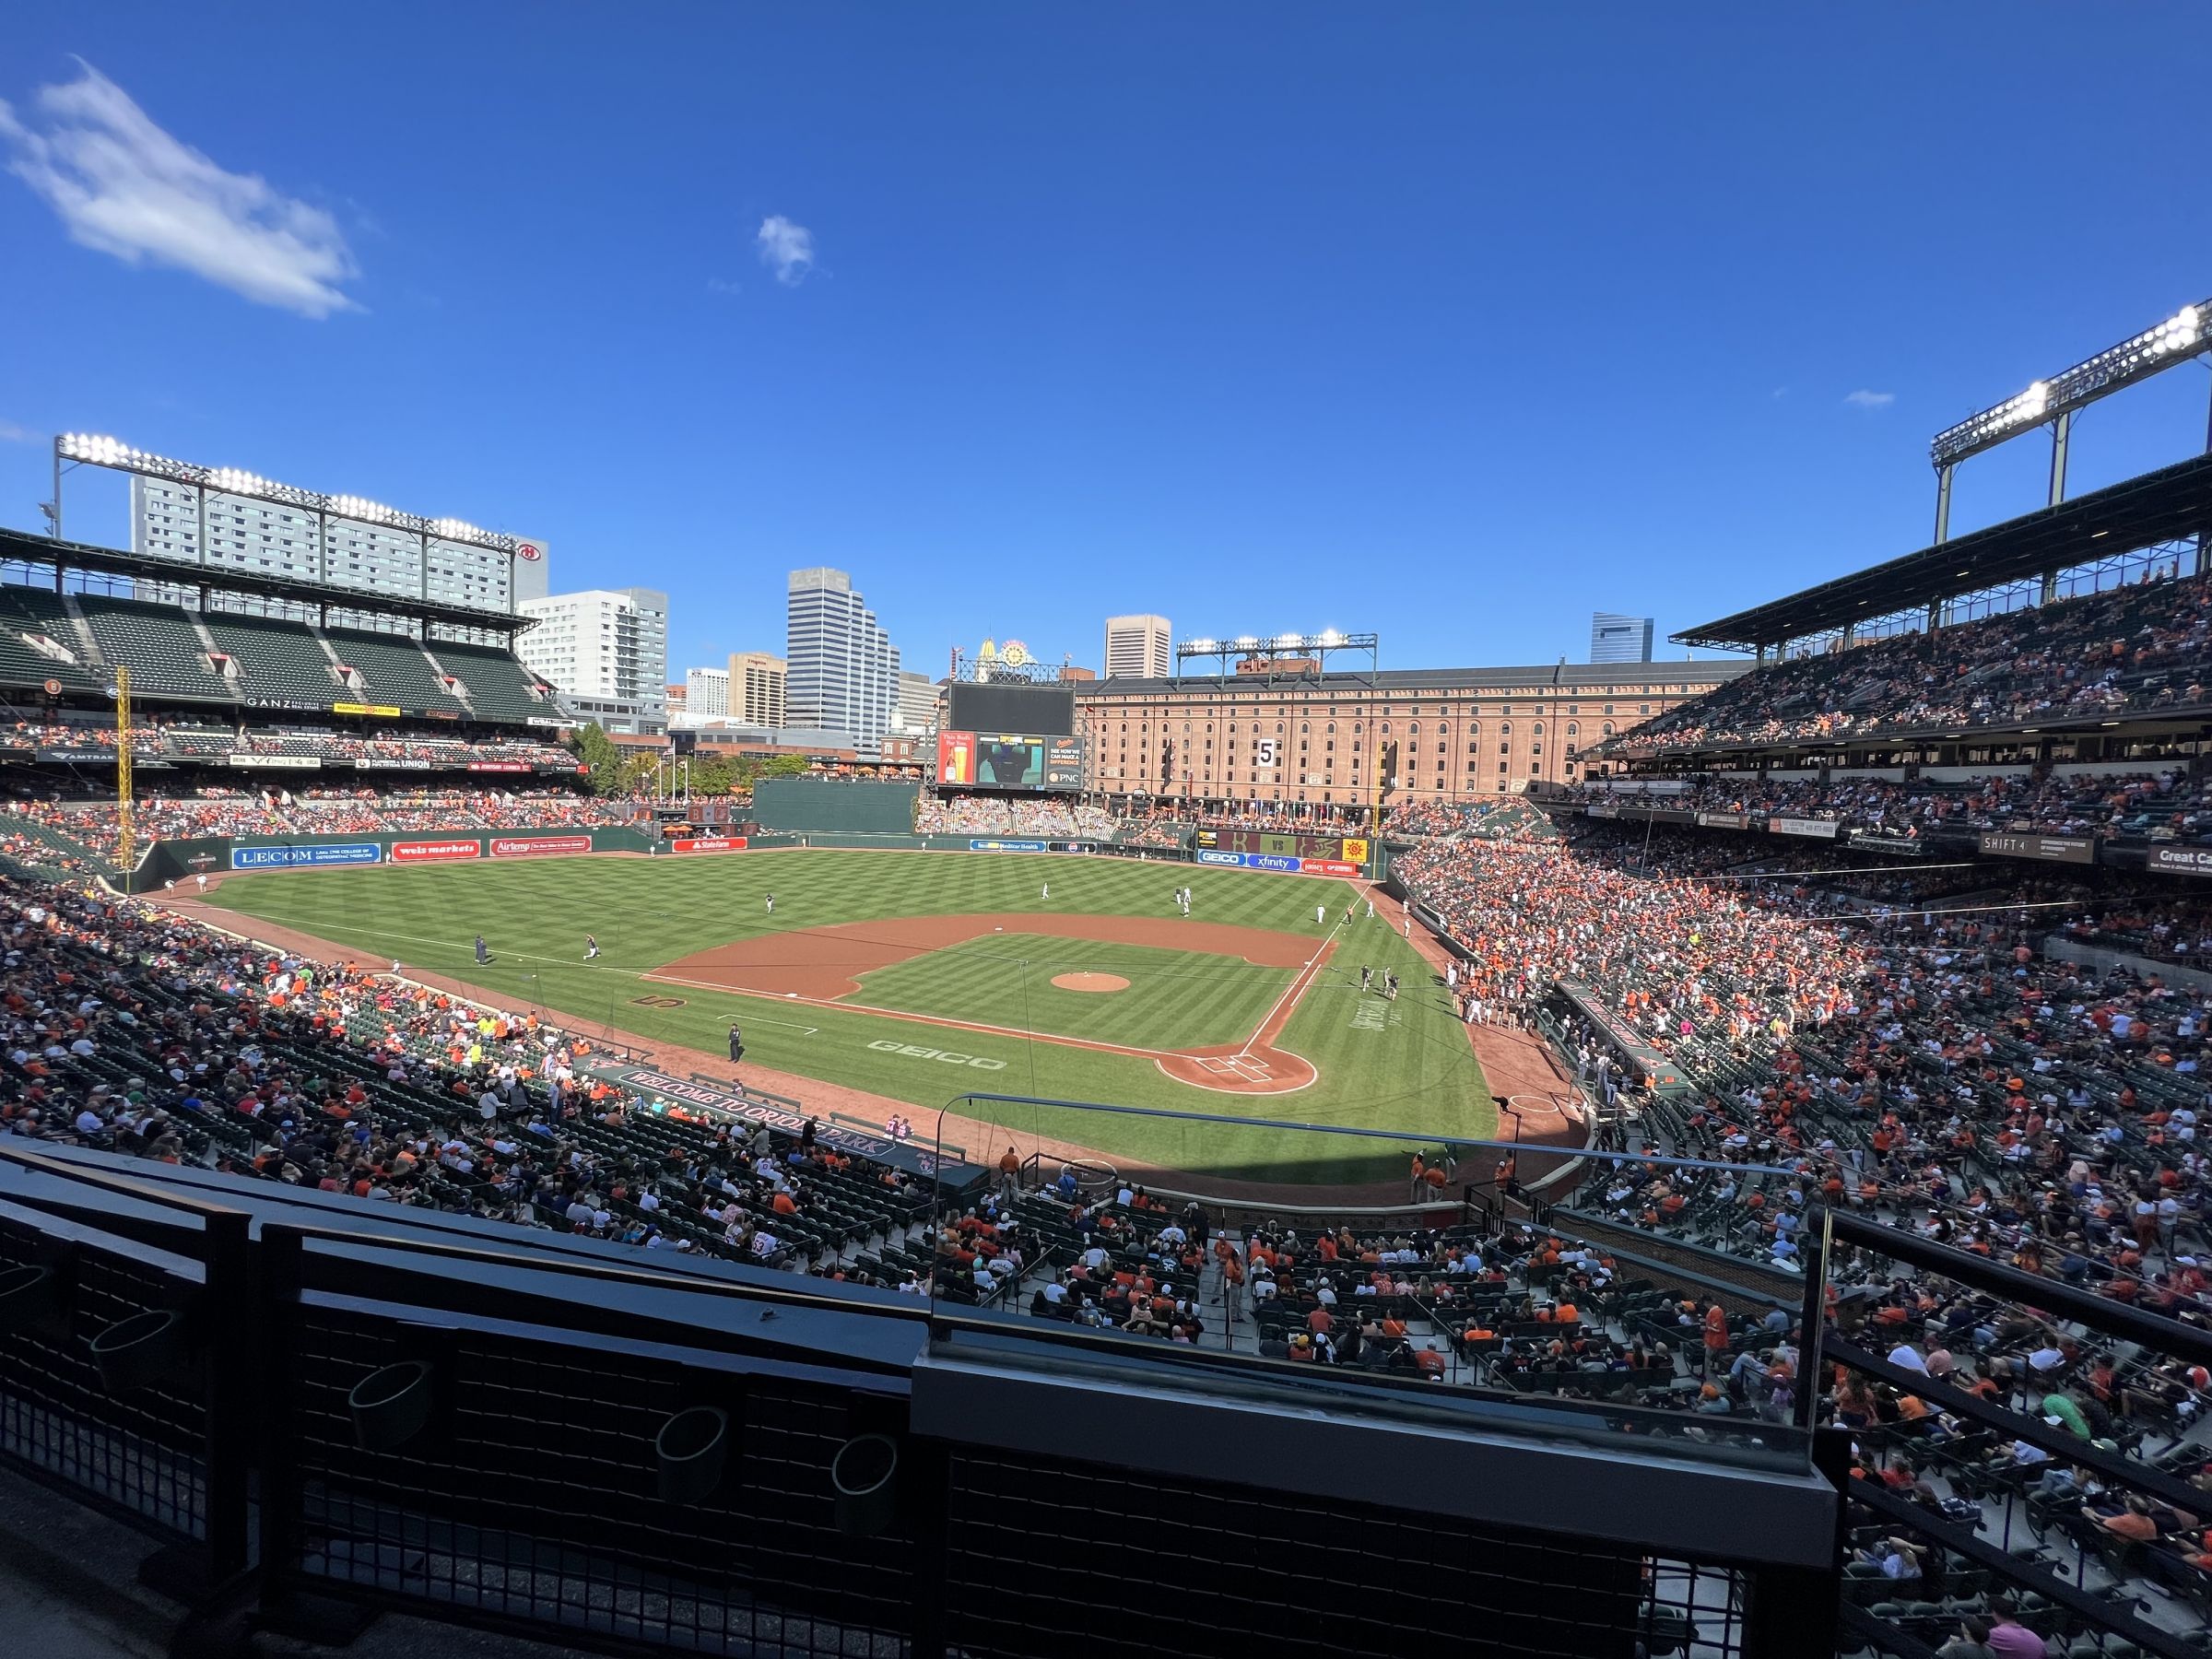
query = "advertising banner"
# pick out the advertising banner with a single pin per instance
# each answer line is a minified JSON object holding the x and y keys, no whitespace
{"x":538,"y":846}
{"x":1006,"y":846}
{"x":78,"y":757}
{"x":1220,"y":858}
{"x":499,"y":765}
{"x":373,"y":765}
{"x":707,"y":843}
{"x":275,"y":762}
{"x":1327,"y":866}
{"x":2048,"y":849}
{"x":1726,"y":820}
{"x":1354,"y":849}
{"x":1601,"y":809}
{"x":1273,"y":861}
{"x":381,"y":711}
{"x":431,"y":852}
{"x":286,"y":858}
{"x":1820,"y":829}
{"x":956,"y":757}
{"x":2181,"y":861}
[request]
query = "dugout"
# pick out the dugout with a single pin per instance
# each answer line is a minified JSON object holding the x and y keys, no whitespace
{"x":834,"y":806}
{"x":1643,"y":1063}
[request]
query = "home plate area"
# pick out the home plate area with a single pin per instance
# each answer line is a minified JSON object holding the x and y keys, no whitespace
{"x":1241,"y":1067}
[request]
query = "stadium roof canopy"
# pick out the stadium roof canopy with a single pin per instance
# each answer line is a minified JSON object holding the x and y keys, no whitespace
{"x":21,"y":546}
{"x":2162,"y":506}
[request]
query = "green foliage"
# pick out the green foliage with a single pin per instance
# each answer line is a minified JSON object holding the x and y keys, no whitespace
{"x":597,"y":751}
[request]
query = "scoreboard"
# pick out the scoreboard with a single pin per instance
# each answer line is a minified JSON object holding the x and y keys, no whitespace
{"x":1342,"y":849}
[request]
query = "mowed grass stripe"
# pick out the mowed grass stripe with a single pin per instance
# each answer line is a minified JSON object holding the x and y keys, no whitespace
{"x":1416,"y":1074}
{"x":1176,"y":999}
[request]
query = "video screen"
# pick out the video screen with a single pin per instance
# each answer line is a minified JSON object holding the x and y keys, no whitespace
{"x":1008,"y":760}
{"x":1049,"y":711}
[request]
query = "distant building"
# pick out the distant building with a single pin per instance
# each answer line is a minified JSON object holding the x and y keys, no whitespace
{"x":707,"y":691}
{"x":756,"y":682}
{"x":917,"y":703}
{"x":1138,"y":648}
{"x":844,"y":673}
{"x":1070,"y":672}
{"x":606,"y":651}
{"x":1619,"y":639}
{"x":676,"y":701}
{"x":224,"y":532}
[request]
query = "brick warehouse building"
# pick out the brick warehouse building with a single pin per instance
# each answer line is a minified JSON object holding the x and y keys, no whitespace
{"x":1462,"y":733}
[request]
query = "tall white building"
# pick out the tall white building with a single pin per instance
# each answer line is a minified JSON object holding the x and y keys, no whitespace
{"x":1138,"y":648}
{"x":707,"y":690}
{"x":844,"y":674}
{"x":757,"y":688}
{"x":917,"y":703}
{"x":227,"y":533}
{"x":607,"y":652}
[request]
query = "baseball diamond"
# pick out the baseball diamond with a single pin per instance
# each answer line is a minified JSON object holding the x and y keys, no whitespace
{"x":915,"y":976}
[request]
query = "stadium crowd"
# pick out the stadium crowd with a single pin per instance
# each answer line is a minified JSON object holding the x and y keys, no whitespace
{"x":2137,"y":649}
{"x":187,"y":740}
{"x":1011,"y":815}
{"x":130,"y":1030}
{"x":2164,"y":804}
{"x":94,"y":825}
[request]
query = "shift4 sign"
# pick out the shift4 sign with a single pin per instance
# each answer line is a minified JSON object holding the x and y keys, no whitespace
{"x":914,"y":1051}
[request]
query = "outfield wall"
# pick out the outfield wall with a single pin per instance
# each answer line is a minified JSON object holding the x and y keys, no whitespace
{"x":810,"y":805}
{"x":171,"y":861}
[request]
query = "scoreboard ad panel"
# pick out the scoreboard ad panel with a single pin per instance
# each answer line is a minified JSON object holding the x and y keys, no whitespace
{"x":1022,"y":760}
{"x":1334,"y":849}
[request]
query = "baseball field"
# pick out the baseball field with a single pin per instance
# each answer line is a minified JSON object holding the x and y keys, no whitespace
{"x":920,"y":976}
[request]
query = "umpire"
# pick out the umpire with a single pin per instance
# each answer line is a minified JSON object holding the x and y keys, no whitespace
{"x":736,"y":1043}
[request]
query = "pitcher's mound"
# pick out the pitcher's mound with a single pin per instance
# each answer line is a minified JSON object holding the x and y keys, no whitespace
{"x":1091,"y":981}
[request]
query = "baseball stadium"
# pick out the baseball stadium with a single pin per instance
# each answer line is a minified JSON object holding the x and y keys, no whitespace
{"x":1730,"y":1189}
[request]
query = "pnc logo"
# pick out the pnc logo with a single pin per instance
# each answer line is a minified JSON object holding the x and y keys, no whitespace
{"x":915,"y":1052}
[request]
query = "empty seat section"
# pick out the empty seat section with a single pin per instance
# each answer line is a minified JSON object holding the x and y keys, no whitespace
{"x":278,"y":663}
{"x":159,"y":645}
{"x":499,"y":686}
{"x":26,"y":610}
{"x":393,"y":670}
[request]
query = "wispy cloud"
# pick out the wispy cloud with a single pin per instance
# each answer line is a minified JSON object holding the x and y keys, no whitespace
{"x":1864,"y":399}
{"x":785,"y":248}
{"x":722,"y":285}
{"x":124,"y":186}
{"x":12,"y":433}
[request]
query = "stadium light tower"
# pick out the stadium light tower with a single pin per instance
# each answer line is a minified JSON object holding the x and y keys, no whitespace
{"x":2053,"y":402}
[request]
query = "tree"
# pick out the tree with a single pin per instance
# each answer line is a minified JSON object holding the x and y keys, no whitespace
{"x":602,"y":760}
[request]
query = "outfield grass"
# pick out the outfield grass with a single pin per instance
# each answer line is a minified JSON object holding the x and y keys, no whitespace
{"x":1406,"y":1067}
{"x":1176,"y":999}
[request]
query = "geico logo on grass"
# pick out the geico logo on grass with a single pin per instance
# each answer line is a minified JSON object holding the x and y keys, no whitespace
{"x":915,"y":1052}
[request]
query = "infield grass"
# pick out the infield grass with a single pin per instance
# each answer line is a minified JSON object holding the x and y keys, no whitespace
{"x":1402,"y":1066}
{"x":1176,"y":999}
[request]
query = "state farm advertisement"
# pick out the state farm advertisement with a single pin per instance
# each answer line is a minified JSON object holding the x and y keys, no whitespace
{"x":431,"y":852}
{"x":707,"y":843}
{"x":538,"y":846}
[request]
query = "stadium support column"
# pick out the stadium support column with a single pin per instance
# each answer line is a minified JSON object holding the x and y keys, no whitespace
{"x":2061,"y":430}
{"x":1943,"y":504}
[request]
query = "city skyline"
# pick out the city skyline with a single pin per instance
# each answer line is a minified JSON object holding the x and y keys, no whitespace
{"x":1019,"y":376}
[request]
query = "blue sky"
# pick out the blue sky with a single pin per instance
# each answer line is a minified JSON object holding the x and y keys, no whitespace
{"x":1451,"y":321}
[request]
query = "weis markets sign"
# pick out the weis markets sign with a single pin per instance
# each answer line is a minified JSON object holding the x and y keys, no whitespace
{"x":538,"y":846}
{"x":721,"y":1102}
{"x":289,"y":858}
{"x":433,"y":852}
{"x":2050,"y":849}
